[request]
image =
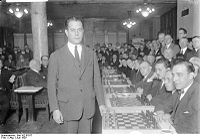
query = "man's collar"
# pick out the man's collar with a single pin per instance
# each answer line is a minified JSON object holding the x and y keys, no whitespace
{"x":168,"y":45}
{"x":184,"y":49}
{"x":35,"y":70}
{"x":70,"y":44}
{"x":186,"y":88}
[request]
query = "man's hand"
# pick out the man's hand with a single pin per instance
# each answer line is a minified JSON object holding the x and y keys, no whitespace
{"x":123,"y":75}
{"x":167,"y":117}
{"x":102,"y":109}
{"x":159,"y":115}
{"x":129,"y":82}
{"x":149,"y":97}
{"x":57,"y":116}
{"x":139,"y":90}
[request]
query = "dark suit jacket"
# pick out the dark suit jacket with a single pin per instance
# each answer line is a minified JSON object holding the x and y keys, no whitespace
{"x":160,"y":99}
{"x":186,"y":118}
{"x":187,"y":55}
{"x":136,"y":76}
{"x":72,"y":87}
{"x":114,"y":64}
{"x":156,"y":88}
{"x":145,"y":84}
{"x":175,"y":48}
{"x":4,"y":79}
{"x":44,"y":72}
{"x":33,"y":78}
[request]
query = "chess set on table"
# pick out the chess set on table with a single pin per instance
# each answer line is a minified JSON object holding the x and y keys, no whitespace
{"x":117,"y":82}
{"x":140,"y":121}
{"x":124,"y":102}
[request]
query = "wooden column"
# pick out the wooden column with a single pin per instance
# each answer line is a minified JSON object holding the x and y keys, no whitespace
{"x":39,"y":29}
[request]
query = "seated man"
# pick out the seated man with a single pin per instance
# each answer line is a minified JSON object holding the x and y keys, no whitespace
{"x":136,"y":75}
{"x":33,"y":77}
{"x":6,"y":78}
{"x":144,"y":85}
{"x":157,"y":87}
{"x":114,"y":61}
{"x":161,"y":98}
{"x":196,"y":63}
{"x":44,"y":66}
{"x":182,"y":109}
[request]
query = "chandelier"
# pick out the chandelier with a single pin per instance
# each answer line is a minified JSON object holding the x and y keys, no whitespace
{"x":129,"y":23}
{"x":18,"y":10}
{"x":145,"y":10}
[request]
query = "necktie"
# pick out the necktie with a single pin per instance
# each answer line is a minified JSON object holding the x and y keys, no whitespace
{"x":177,"y":103}
{"x":77,"y":55}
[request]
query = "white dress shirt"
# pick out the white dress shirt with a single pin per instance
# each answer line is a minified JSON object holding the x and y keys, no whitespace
{"x":168,"y":45}
{"x":183,"y":50}
{"x":72,"y":49}
{"x":185,"y":90}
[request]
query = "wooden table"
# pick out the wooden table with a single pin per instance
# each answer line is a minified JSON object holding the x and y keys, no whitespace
{"x":29,"y":91}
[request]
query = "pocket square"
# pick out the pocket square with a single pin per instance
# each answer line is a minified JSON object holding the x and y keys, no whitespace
{"x":186,"y":112}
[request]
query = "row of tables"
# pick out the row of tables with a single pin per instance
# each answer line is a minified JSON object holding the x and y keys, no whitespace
{"x":127,"y":112}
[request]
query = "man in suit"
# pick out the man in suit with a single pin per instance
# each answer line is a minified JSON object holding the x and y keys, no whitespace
{"x":159,"y":100}
{"x":168,"y":44}
{"x":44,"y":66}
{"x":145,"y":84}
{"x":33,"y":76}
{"x":196,"y":63}
{"x":185,"y":52}
{"x":161,"y":39}
{"x":157,"y":86}
{"x":182,"y":33}
{"x":74,"y":82}
{"x":6,"y":80}
{"x":196,"y":45}
{"x":136,"y":75}
{"x":183,"y":108}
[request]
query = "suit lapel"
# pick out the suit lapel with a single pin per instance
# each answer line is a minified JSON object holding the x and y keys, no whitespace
{"x":70,"y":58}
{"x":85,"y":57}
{"x":187,"y":96}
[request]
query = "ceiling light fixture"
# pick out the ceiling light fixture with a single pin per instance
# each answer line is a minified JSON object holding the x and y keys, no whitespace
{"x":129,"y":23}
{"x":145,"y":10}
{"x":18,"y":10}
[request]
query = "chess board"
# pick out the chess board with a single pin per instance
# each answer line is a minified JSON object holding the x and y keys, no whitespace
{"x":140,"y":120}
{"x":118,"y":82}
{"x":124,"y":102}
{"x":121,"y":90}
{"x":114,"y":78}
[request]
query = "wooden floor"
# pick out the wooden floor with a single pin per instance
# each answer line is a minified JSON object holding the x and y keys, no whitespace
{"x":42,"y":124}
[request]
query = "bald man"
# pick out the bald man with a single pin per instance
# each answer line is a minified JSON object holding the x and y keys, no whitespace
{"x":33,"y":77}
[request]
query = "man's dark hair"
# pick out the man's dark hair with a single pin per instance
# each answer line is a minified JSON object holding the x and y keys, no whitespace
{"x":183,"y":29}
{"x":184,"y":38}
{"x":196,"y":37}
{"x":160,"y":32}
{"x":44,"y":56}
{"x":189,"y":65}
{"x":73,"y":18}
{"x":163,"y":61}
